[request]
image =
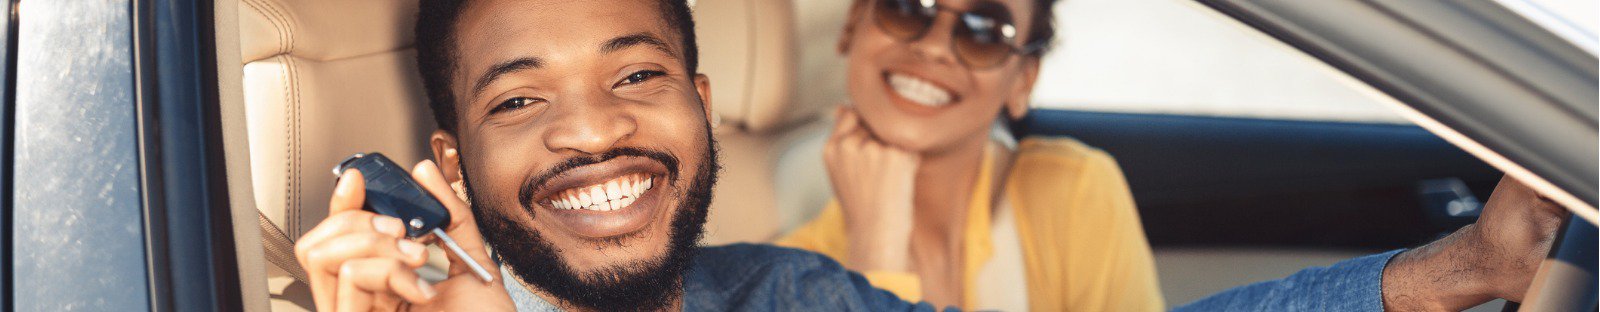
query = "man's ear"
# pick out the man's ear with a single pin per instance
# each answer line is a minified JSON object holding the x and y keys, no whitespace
{"x":446,"y":154}
{"x":702,"y":85}
{"x":1022,"y":92}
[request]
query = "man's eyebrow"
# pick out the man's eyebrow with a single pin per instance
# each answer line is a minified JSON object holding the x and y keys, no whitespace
{"x":623,"y":42}
{"x":503,"y":68}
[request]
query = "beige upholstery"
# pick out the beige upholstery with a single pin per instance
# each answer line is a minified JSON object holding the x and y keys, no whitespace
{"x":773,"y":70}
{"x":252,"y":262}
{"x":323,"y":79}
{"x":746,"y":49}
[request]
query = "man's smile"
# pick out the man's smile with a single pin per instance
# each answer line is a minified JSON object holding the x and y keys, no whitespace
{"x":612,"y":195}
{"x":611,"y":198}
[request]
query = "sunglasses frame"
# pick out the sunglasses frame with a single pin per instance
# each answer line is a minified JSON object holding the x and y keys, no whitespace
{"x":1025,"y":49}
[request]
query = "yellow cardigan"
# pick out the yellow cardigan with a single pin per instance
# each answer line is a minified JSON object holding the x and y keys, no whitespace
{"x":1082,"y":244}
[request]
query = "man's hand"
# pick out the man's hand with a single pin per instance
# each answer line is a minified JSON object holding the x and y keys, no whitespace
{"x":1493,"y":258}
{"x":874,"y":185}
{"x":361,"y":261}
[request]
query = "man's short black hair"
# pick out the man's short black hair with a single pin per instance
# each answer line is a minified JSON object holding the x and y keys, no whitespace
{"x":436,"y":49}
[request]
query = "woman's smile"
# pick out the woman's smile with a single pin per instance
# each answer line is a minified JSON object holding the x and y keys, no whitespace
{"x":916,"y":95}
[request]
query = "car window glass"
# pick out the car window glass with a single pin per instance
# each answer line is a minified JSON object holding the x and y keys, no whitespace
{"x":1584,"y":15}
{"x":79,"y":224}
{"x":1178,"y":57}
{"x":1175,"y":57}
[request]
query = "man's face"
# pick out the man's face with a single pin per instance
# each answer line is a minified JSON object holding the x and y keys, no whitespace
{"x":584,"y":143}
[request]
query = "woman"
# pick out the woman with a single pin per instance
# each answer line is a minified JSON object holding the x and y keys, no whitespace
{"x":930,"y":207}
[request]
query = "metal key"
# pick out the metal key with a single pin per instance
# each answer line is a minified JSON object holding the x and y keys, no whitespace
{"x":392,"y":192}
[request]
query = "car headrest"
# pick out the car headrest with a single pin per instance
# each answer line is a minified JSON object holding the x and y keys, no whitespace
{"x":324,"y":79}
{"x":323,"y":30}
{"x":790,"y":54}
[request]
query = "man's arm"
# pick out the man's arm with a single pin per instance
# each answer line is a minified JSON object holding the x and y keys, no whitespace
{"x":1493,"y":258}
{"x":1351,"y":285}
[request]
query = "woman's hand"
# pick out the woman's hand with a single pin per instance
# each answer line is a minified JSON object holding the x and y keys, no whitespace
{"x":874,"y":185}
{"x":361,"y":261}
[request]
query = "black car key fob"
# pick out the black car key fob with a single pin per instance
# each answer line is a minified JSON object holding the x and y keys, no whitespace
{"x":392,"y":192}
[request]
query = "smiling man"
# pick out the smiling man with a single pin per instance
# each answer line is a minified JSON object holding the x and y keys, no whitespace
{"x":584,"y":151}
{"x":578,"y":132}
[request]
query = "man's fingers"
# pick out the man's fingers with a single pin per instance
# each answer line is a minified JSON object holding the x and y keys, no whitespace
{"x":386,"y":302}
{"x":463,"y":228}
{"x":345,"y":223}
{"x":352,"y":299}
{"x":331,"y":255}
{"x":364,"y":284}
{"x":427,"y":174}
{"x":326,"y":264}
{"x":324,"y":289}
{"x":349,"y":193}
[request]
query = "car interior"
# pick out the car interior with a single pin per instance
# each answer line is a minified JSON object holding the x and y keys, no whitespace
{"x":1224,"y":200}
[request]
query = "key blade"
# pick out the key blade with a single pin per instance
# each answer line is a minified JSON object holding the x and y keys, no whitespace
{"x":450,"y":243}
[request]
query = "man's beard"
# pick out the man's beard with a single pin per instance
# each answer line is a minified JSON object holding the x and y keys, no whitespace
{"x":640,"y":286}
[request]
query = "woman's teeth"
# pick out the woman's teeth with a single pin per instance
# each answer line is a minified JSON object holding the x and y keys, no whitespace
{"x":918,"y":90}
{"x":611,"y":195}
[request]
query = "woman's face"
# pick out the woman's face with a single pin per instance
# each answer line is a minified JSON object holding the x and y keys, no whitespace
{"x":918,"y":95}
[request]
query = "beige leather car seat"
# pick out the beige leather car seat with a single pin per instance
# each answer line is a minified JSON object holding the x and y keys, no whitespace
{"x":775,"y":71}
{"x":324,"y":79}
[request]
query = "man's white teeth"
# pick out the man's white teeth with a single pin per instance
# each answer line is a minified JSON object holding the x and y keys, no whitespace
{"x":918,"y":90}
{"x":612,"y":191}
{"x":610,"y":195}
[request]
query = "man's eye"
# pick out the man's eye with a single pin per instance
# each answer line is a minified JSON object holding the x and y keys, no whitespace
{"x":640,"y":76}
{"x":514,"y":104}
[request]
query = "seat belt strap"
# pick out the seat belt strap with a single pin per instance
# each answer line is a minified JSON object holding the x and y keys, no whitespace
{"x":280,"y":250}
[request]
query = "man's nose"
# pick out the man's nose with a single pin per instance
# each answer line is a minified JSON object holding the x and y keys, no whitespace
{"x":592,"y":124}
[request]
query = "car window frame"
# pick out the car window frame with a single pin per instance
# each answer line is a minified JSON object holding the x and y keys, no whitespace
{"x":189,"y":222}
{"x":8,"y":91}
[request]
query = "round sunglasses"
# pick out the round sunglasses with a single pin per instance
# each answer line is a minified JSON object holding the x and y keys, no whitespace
{"x":983,"y":37}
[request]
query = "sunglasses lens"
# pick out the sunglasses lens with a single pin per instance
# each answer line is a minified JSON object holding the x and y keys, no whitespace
{"x":904,"y":19}
{"x":983,"y":41}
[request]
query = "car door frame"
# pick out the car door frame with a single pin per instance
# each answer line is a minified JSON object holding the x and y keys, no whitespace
{"x":188,"y":218}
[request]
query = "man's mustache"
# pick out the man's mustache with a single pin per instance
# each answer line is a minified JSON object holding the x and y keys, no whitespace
{"x":532,"y":186}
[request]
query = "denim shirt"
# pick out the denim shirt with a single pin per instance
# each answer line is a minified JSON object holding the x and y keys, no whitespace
{"x":746,"y":277}
{"x":1350,"y":285}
